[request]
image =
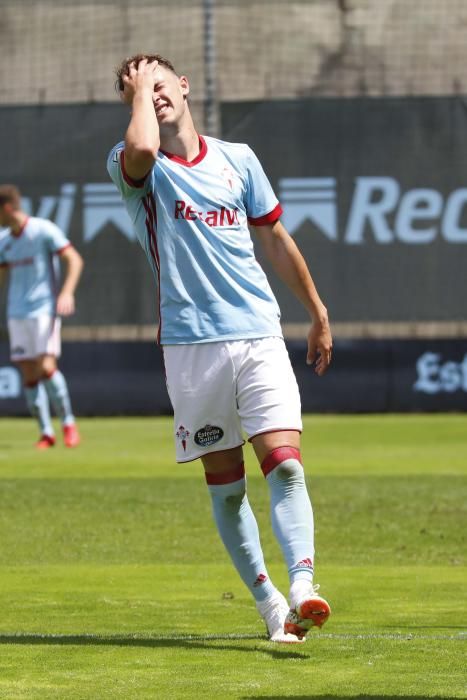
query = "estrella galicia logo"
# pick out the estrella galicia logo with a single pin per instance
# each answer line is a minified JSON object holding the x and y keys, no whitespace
{"x":209,"y":435}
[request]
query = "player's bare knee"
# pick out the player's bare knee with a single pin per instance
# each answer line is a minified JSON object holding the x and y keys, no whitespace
{"x":47,"y":365}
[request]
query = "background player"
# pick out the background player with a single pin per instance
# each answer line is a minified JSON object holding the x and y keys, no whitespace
{"x":191,"y":198}
{"x":29,"y":253}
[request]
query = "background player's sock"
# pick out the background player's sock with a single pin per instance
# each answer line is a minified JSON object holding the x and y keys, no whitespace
{"x":239,"y":531}
{"x":57,"y":391}
{"x":291,"y":511}
{"x":38,"y":404}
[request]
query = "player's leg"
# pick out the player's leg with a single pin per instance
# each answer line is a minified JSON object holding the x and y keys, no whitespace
{"x":54,"y":381}
{"x":238,"y":529}
{"x":293,"y":525}
{"x":201,"y":385}
{"x":22,"y":353}
{"x":269,"y":404}
{"x":57,"y":390}
{"x":236,"y":523}
{"x":37,"y":401}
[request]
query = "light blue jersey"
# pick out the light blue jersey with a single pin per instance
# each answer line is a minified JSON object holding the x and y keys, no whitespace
{"x":33,"y":268}
{"x":192,"y":218}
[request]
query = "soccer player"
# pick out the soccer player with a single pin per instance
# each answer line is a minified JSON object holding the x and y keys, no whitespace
{"x":29,"y":251}
{"x":191,"y":198}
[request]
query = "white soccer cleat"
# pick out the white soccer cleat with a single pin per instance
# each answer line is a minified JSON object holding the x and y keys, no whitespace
{"x":274,"y":611}
{"x":310,"y":611}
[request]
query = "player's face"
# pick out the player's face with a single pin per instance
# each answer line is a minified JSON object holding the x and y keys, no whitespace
{"x":170,"y":92}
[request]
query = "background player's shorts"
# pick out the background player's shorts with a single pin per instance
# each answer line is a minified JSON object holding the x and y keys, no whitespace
{"x":219,"y":389}
{"x":31,"y":337}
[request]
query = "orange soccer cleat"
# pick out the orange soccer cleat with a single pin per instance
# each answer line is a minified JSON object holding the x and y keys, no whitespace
{"x":311,"y":611}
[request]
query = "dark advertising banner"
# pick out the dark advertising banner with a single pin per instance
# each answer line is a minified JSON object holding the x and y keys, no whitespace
{"x":375,"y":194}
{"x":374,"y":191}
{"x":57,"y":156}
{"x":124,"y":378}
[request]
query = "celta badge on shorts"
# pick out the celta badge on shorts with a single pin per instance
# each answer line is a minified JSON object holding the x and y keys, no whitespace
{"x":209,"y":435}
{"x":182,"y":434}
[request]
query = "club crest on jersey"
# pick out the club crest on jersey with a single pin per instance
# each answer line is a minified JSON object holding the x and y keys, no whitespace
{"x":182,"y":435}
{"x":227,"y":174}
{"x":213,"y":217}
{"x":209,"y":435}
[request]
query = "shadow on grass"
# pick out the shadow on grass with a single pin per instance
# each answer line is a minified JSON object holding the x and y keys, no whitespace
{"x":188,"y":641}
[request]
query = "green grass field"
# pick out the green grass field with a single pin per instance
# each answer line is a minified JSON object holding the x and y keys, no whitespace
{"x":114,"y":583}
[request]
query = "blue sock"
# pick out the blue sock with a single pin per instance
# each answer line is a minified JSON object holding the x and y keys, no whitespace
{"x":57,"y":391}
{"x":239,"y":531}
{"x":291,"y":511}
{"x":38,"y":404}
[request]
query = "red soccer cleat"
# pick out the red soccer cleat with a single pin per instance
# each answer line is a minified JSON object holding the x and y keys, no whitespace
{"x":71,"y":436}
{"x":44,"y":442}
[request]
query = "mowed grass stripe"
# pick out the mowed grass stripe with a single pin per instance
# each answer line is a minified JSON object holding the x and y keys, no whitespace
{"x":113,"y":582}
{"x":359,"y":519}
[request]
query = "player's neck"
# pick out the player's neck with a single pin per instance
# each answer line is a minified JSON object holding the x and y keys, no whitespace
{"x":184,"y":142}
{"x":18,"y":222}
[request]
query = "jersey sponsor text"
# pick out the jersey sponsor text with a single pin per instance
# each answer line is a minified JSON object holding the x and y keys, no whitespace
{"x":214,"y":217}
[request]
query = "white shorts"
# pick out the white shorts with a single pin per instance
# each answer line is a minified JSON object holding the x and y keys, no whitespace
{"x":220,"y":389}
{"x":31,"y":337}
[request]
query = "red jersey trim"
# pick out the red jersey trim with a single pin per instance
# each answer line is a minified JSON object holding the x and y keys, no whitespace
{"x":151,"y":228}
{"x":270,"y":218}
{"x":203,"y":149}
{"x":129,"y":180}
{"x":61,"y":250}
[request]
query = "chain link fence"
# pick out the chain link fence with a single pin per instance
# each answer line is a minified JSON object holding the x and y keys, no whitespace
{"x":65,"y":51}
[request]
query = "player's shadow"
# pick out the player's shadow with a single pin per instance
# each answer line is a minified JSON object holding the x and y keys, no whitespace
{"x":219,"y":642}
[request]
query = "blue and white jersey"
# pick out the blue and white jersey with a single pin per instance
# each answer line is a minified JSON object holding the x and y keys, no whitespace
{"x":192,"y":218}
{"x":34,"y":268}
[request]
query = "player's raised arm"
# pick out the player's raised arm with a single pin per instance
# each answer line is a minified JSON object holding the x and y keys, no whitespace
{"x":288,"y":263}
{"x":142,"y":137}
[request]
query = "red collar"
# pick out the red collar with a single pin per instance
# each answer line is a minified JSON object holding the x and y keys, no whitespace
{"x":203,"y":149}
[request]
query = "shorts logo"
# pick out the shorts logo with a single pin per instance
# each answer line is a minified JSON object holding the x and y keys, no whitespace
{"x":209,"y":435}
{"x":182,"y":434}
{"x":18,"y":350}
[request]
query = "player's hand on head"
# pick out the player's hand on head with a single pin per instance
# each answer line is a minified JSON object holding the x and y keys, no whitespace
{"x":65,"y":304}
{"x":139,"y":77}
{"x":319,"y":346}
